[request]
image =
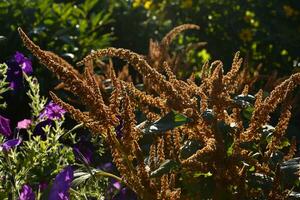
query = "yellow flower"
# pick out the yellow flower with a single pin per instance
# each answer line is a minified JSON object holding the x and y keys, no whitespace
{"x":249,"y":16}
{"x":147,"y":5}
{"x":246,"y":35}
{"x":136,"y":3}
{"x":187,"y":4}
{"x":289,"y":11}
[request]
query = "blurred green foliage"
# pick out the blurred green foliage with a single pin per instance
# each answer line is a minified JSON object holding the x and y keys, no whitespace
{"x":71,"y":29}
{"x":68,"y":28}
{"x":266,"y":32}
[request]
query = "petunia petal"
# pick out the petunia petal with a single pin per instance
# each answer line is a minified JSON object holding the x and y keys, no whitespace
{"x":24,"y":124}
{"x":26,"y":193}
{"x":5,"y":126}
{"x":62,"y":184}
{"x":6,"y":146}
{"x":52,"y":111}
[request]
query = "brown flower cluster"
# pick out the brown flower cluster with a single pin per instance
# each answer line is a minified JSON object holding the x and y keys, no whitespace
{"x":214,"y":110}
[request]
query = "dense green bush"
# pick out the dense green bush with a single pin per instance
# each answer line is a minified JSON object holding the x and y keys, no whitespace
{"x":76,"y":27}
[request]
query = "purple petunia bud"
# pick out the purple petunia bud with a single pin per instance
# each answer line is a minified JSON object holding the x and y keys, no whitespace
{"x":26,"y":193}
{"x":16,"y":66}
{"x":6,"y":146}
{"x":62,"y":184}
{"x":5,"y":127}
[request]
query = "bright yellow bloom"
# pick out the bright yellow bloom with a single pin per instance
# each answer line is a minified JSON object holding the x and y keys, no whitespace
{"x":136,"y":3}
{"x":246,"y":35}
{"x":147,"y":5}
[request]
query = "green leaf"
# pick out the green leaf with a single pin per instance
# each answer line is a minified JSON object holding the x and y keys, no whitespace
{"x":189,"y":148}
{"x":168,"y":122}
{"x":164,"y":168}
{"x":205,"y":175}
{"x":230,"y":150}
{"x":290,"y":170}
{"x":284,"y":143}
{"x":208,"y":115}
{"x":249,"y":145}
{"x":244,"y":101}
{"x":258,"y":180}
{"x":247,"y":112}
{"x":276,"y":158}
{"x":294,"y":195}
{"x":80,"y":178}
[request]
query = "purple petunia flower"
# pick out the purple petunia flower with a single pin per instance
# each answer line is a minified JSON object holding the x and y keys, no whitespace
{"x":52,"y":111}
{"x":26,"y":193}
{"x":23,"y":62}
{"x":83,"y":150}
{"x":16,"y":66}
{"x":62,"y":184}
{"x":24,"y":124}
{"x":6,"y":146}
{"x":5,"y":127}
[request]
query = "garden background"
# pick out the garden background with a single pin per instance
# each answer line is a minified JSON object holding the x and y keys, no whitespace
{"x":267,"y":33}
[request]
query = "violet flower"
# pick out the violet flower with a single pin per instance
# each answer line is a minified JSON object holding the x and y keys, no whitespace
{"x":26,"y":193}
{"x":24,"y":124}
{"x":5,"y":127}
{"x":52,"y":111}
{"x":83,"y":150}
{"x":23,"y":62}
{"x":9,"y":144}
{"x":16,"y":66}
{"x":62,"y":184}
